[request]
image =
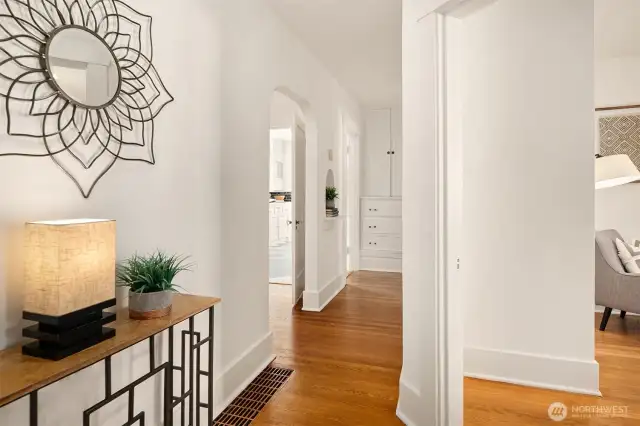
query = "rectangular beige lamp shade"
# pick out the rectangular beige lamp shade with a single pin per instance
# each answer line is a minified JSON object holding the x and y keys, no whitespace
{"x":69,"y":265}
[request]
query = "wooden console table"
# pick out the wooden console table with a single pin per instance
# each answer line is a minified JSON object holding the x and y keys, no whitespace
{"x":21,"y":375}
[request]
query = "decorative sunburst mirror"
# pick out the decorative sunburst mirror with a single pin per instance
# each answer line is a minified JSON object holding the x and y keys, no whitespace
{"x":78,"y":84}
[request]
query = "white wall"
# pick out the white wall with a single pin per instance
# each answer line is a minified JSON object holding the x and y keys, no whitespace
{"x":174,"y":205}
{"x":528,"y":194}
{"x":417,"y":403}
{"x":206,"y":196}
{"x":519,"y":39}
{"x":260,"y":55}
{"x":617,"y":84}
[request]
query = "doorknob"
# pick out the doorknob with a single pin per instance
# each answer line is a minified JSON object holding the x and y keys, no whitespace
{"x":289,"y":222}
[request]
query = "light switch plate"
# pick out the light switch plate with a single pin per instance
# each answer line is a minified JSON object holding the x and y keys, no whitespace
{"x":330,"y":155}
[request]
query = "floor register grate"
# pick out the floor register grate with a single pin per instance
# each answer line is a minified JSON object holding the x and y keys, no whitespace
{"x":246,"y":407}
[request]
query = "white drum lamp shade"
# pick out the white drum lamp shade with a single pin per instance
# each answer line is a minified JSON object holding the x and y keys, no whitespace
{"x":615,"y":170}
{"x":69,"y":265}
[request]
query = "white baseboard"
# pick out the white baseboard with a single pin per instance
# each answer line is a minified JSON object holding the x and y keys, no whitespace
{"x":380,"y":264}
{"x":538,"y":371}
{"x":409,"y":404}
{"x":316,"y":301}
{"x":234,"y":379}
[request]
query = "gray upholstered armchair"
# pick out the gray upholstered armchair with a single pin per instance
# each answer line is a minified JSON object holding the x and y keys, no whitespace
{"x":615,"y":288}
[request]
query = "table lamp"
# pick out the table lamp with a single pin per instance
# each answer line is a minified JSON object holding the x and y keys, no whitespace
{"x":615,"y":170}
{"x":69,"y":278}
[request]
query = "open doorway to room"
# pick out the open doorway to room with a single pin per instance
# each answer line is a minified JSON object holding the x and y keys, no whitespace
{"x":496,"y":194}
{"x":287,"y":187}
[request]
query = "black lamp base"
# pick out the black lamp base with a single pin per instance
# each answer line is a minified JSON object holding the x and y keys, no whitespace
{"x":59,"y":337}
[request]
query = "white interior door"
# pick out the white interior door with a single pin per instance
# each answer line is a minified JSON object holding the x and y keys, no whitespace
{"x":298,"y":199}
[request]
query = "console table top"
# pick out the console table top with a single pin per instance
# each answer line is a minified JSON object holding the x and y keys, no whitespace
{"x":21,"y":374}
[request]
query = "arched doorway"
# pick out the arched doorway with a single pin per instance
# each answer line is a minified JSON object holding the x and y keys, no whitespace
{"x":287,"y":195}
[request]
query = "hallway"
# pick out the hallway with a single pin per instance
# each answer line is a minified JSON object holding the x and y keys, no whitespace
{"x":347,"y":359}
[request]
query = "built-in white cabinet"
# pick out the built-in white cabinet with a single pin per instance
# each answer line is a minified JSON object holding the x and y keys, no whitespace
{"x":381,"y":234}
{"x":396,"y":153}
{"x":382,"y":153}
{"x":280,"y":214}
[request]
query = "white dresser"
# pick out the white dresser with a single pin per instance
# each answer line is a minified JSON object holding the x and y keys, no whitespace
{"x":381,"y":236}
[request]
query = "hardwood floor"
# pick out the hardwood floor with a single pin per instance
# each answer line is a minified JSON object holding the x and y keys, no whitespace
{"x":347,"y":359}
{"x":617,"y":351}
{"x":347,"y":362}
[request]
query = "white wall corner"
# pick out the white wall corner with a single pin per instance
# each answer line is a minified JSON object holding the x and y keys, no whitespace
{"x":241,"y":371}
{"x":534,"y":370}
{"x":316,"y":301}
{"x":409,"y":404}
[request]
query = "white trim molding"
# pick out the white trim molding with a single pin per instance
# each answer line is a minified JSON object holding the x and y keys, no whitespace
{"x":316,"y":301}
{"x":409,"y":404}
{"x":234,"y":379}
{"x":538,"y":371}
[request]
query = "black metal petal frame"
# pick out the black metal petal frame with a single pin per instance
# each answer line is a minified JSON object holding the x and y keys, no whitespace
{"x":84,"y":141}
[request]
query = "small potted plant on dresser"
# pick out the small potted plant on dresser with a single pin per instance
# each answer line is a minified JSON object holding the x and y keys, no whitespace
{"x":150,"y":280}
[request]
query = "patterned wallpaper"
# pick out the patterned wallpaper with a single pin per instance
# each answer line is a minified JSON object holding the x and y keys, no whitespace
{"x":621,"y":135}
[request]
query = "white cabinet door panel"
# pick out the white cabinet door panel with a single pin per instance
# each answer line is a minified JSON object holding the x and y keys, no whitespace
{"x":396,"y":156}
{"x":376,"y":154}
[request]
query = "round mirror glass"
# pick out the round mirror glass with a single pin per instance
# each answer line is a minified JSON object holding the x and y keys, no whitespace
{"x":82,"y":67}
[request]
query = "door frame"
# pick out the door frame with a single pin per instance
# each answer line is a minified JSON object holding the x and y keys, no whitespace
{"x":437,"y":396}
{"x":350,"y":178}
{"x":297,"y":121}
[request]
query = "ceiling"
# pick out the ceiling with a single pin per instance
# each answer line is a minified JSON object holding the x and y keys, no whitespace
{"x":359,"y":41}
{"x":617,"y":32}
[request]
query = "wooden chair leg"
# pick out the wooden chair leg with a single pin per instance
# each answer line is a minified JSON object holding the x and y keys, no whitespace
{"x":605,"y":318}
{"x":623,"y":314}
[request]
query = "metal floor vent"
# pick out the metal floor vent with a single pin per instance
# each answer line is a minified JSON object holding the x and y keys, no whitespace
{"x":246,"y":407}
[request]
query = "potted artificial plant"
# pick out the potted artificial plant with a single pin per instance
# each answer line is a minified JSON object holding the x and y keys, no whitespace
{"x":151,"y":283}
{"x":331,"y":195}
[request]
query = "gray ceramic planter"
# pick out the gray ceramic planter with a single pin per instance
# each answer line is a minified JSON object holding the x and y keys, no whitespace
{"x":150,"y":305}
{"x":331,"y":204}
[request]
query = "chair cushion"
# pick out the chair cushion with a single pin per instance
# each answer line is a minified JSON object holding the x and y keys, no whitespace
{"x":629,"y":256}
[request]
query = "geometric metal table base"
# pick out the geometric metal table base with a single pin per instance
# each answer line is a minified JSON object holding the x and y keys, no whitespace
{"x":189,"y":398}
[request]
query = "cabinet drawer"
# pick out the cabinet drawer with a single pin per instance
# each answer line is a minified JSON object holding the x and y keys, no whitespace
{"x":376,"y":208}
{"x":382,"y":225}
{"x":381,"y":242}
